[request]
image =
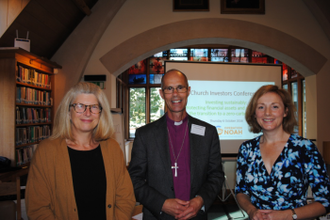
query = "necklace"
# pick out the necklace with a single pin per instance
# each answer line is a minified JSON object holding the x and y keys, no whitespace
{"x":175,"y":167}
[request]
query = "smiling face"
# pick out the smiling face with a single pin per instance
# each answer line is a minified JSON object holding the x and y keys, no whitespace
{"x":84,"y":122}
{"x":270,"y":112}
{"x":176,"y":102}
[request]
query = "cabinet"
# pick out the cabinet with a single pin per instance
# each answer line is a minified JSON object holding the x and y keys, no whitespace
{"x":26,"y":103}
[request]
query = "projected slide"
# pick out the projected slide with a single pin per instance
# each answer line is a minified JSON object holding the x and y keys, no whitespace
{"x":220,"y":93}
{"x":223,"y":104}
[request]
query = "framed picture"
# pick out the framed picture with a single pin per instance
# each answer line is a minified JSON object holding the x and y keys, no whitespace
{"x":191,"y":5}
{"x":242,"y":6}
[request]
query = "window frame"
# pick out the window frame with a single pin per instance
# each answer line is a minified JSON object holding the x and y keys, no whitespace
{"x":147,"y":87}
{"x":123,"y":100}
{"x":300,"y":114}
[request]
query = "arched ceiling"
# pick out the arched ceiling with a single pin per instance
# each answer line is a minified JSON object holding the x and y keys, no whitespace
{"x":275,"y":43}
{"x":48,"y":22}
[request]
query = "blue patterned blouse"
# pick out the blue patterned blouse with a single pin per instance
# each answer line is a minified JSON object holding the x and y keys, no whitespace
{"x":300,"y":164}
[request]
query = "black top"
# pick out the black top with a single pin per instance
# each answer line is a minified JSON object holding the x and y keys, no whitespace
{"x":89,"y":182}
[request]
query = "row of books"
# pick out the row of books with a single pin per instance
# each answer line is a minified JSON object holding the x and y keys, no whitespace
{"x":25,"y":115}
{"x":24,"y":155}
{"x":31,"y":76}
{"x":31,"y":134}
{"x":32,"y":96}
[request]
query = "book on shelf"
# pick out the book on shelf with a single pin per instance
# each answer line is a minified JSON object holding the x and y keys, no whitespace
{"x":28,"y":112}
{"x":18,"y":116}
{"x":31,"y":134}
{"x":25,"y":154}
{"x":32,"y":96}
{"x":31,"y":76}
{"x":29,"y":115}
{"x":26,"y":115}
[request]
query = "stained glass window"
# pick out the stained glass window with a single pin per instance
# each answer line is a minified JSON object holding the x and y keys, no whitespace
{"x":178,"y":54}
{"x":240,"y":55}
{"x":199,"y":54}
{"x":219,"y":55}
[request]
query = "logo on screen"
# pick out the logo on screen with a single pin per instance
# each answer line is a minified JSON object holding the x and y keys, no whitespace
{"x":229,"y":131}
{"x":233,"y":131}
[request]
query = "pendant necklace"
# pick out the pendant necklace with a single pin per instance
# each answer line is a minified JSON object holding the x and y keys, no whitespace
{"x":175,"y":167}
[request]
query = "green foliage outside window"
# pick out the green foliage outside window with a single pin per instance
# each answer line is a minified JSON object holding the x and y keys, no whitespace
{"x":156,"y":104}
{"x":137,"y":110}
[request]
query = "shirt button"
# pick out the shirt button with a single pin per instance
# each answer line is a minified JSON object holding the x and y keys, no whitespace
{"x":109,"y":206}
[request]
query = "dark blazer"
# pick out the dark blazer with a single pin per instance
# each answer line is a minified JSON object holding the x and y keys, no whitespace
{"x":150,"y":167}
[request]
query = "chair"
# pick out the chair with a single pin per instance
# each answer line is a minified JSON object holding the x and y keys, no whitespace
{"x":8,"y":188}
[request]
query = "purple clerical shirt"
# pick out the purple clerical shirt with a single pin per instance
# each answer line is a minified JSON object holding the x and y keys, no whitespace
{"x":177,"y":133}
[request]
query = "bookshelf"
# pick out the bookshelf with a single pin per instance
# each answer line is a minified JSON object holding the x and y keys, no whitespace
{"x":26,"y":107}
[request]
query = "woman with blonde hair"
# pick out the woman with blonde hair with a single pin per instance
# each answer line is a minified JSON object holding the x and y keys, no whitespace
{"x":275,"y":169}
{"x":79,"y":172}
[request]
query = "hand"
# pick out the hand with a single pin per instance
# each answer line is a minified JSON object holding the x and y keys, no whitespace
{"x":258,"y":214}
{"x":174,"y":207}
{"x":277,"y":215}
{"x":195,"y":206}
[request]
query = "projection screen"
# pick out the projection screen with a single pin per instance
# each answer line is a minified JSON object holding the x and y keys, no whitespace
{"x":220,"y":93}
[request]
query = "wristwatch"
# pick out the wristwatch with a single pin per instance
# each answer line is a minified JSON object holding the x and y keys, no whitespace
{"x":294,"y":215}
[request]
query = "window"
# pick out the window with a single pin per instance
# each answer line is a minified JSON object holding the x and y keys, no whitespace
{"x":199,"y":54}
{"x":143,"y":83}
{"x":258,"y":57}
{"x":304,"y":121}
{"x":240,"y":55}
{"x":178,"y":54}
{"x":219,"y":55}
{"x":139,"y":85}
{"x":285,"y":72}
{"x":156,"y":104}
{"x":294,"y":94}
{"x":137,"y":109}
{"x":156,"y":69}
{"x":294,"y":83}
{"x":137,"y":73}
{"x":285,"y":86}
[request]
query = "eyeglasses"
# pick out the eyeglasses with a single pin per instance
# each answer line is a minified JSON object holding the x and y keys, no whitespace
{"x":81,"y":108}
{"x":170,"y":89}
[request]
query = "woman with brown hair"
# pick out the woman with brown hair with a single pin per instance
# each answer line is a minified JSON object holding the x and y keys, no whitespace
{"x":275,"y":169}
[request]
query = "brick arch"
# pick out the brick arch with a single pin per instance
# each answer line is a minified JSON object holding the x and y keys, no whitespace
{"x":275,"y":43}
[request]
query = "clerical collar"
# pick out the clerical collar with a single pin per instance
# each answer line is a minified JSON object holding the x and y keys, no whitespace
{"x":176,"y":123}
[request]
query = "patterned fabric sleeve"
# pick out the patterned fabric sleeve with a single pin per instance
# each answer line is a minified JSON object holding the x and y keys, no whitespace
{"x":315,"y":168}
{"x":241,"y":170}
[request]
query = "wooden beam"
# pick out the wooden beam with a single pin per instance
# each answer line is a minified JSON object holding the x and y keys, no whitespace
{"x":81,"y":4}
